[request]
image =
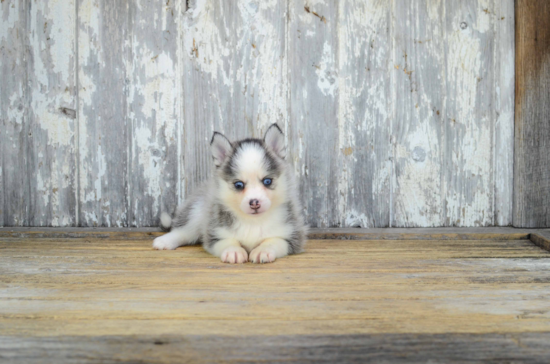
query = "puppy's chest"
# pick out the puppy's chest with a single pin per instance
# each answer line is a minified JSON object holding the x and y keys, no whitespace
{"x":250,"y":235}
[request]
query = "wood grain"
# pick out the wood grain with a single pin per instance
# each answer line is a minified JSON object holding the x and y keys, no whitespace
{"x":15,"y":193}
{"x":532,"y":129}
{"x":374,"y":348}
{"x":89,"y":297}
{"x":155,"y":115}
{"x":504,"y":64}
{"x":395,"y":113}
{"x":315,"y":233}
{"x":104,"y":137}
{"x":445,"y":135}
{"x":541,"y":240}
{"x":469,"y":119}
{"x":364,"y":113}
{"x":52,"y":144}
{"x":313,"y":102}
{"x":418,"y":195}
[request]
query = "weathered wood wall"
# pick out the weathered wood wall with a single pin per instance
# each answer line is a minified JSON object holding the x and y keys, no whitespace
{"x":396,"y":113}
{"x":532,"y":126}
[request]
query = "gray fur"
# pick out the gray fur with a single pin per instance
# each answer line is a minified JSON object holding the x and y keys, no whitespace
{"x":298,"y":236}
{"x":182,"y":215}
{"x":220,"y":217}
{"x":229,"y":168}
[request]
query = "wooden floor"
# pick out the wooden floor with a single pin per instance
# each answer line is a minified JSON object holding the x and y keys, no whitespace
{"x":108,"y":297}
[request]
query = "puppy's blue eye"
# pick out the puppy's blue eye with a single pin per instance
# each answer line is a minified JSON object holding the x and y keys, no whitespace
{"x":267,"y":181}
{"x":239,"y":185}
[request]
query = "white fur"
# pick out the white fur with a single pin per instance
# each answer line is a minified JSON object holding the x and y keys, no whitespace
{"x":172,"y":240}
{"x":234,"y":255}
{"x":186,"y":235}
{"x":165,"y":220}
{"x":251,"y":232}
{"x":249,"y":162}
{"x":269,"y":250}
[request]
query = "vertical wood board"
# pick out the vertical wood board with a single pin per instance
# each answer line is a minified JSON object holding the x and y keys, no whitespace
{"x":365,"y":107}
{"x":15,"y":192}
{"x":532,"y":124}
{"x":503,"y":161}
{"x":468,"y":116}
{"x":104,"y":135}
{"x":313,"y":104}
{"x":419,"y":103}
{"x":448,"y":114}
{"x":154,"y":109}
{"x":51,"y":79}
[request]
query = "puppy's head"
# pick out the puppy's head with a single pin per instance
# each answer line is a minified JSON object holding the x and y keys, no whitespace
{"x":251,"y":171}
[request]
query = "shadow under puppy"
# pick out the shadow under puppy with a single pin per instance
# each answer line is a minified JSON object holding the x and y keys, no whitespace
{"x":248,"y":210}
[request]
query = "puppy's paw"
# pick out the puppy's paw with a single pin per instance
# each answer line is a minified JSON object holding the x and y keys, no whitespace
{"x":165,"y":242}
{"x":262,"y":255}
{"x":234,"y":255}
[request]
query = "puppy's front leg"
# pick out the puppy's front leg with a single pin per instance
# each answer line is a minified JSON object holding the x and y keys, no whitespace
{"x":229,"y":251}
{"x":269,"y":250}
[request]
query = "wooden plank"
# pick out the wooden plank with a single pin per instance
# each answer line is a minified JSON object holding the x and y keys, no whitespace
{"x":154,"y":101}
{"x":468,"y":117}
{"x":315,"y":233}
{"x":415,"y":236}
{"x":418,"y":195}
{"x":313,"y":102}
{"x":103,"y":57}
{"x":51,"y":78}
{"x":373,"y":251}
{"x":364,"y":113}
{"x":384,"y":348}
{"x":541,"y":240}
{"x":447,"y":124}
{"x":234,"y":77}
{"x":532,"y":129}
{"x":504,"y":63}
{"x":117,"y":299}
{"x":15,"y":190}
{"x":111,"y":287}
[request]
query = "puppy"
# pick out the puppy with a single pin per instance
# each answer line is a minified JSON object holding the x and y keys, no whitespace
{"x":248,"y":211}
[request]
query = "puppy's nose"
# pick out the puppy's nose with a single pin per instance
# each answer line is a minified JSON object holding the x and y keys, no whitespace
{"x":254,"y":204}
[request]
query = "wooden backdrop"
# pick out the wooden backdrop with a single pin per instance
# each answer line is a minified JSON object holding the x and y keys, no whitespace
{"x":396,"y":113}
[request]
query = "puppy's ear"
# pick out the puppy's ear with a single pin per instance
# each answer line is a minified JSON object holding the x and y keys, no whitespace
{"x":221,"y":148}
{"x":275,"y":140}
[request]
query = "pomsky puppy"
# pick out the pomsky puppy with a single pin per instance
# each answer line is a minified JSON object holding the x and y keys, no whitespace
{"x":248,"y":211}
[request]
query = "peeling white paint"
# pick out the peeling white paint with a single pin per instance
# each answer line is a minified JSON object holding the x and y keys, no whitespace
{"x":203,"y":41}
{"x":485,"y":16}
{"x":434,"y":7}
{"x":442,"y":156}
{"x":354,"y":219}
{"x":419,"y":181}
{"x":472,"y":154}
{"x":16,"y":111}
{"x":152,"y":172}
{"x":53,"y":39}
{"x":10,"y":18}
{"x":326,"y":71}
